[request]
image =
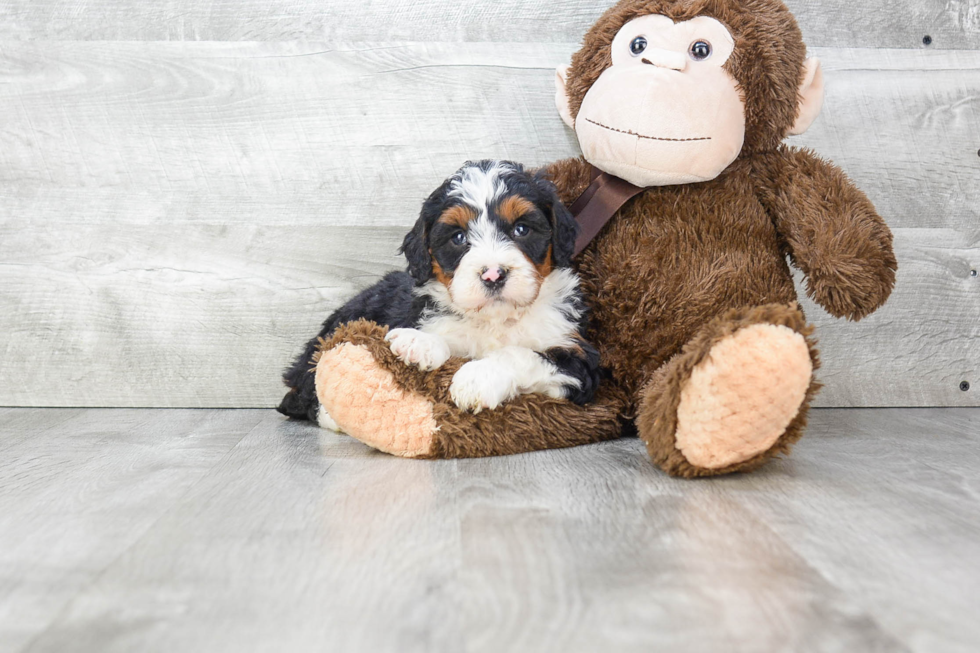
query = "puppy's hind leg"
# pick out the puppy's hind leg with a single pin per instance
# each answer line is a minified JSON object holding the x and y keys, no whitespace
{"x":388,"y":302}
{"x":324,"y":420}
{"x":301,"y":402}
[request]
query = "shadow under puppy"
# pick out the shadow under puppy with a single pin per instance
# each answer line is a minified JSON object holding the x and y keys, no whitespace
{"x":489,"y":279}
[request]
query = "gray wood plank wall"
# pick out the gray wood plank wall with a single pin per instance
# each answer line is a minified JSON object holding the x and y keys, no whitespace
{"x":952,"y":24}
{"x":187,"y":188}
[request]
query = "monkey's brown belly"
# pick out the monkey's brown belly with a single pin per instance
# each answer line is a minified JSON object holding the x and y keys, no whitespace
{"x":654,"y":278}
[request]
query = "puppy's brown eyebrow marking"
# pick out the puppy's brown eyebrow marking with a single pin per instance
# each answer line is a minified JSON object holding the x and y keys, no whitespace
{"x":511,"y":208}
{"x":459,"y":215}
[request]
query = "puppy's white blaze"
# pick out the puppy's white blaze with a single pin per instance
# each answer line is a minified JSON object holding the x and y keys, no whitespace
{"x":550,"y":321}
{"x":479,"y":188}
{"x":490,"y":248}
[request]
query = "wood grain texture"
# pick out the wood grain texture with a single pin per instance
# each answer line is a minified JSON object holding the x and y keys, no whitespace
{"x":952,"y":24}
{"x":166,"y":315}
{"x":914,"y":454}
{"x":16,"y":425}
{"x":81,"y":492}
{"x":239,"y":531}
{"x":923,"y":344}
{"x":905,"y":126}
{"x":177,"y":218}
{"x":263,"y":133}
{"x":287,"y":133}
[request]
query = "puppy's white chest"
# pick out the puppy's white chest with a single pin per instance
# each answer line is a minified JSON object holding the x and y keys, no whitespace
{"x":549,"y":322}
{"x":476,"y":337}
{"x":484,"y":338}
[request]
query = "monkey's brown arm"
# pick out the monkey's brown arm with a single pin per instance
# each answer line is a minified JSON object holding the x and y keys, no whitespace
{"x":830,"y":230}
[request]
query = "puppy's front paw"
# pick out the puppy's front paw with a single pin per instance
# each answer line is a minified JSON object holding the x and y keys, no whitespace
{"x":414,"y":347}
{"x":481,"y":384}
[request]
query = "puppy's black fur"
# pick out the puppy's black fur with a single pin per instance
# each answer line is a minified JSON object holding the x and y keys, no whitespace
{"x":391,"y":302}
{"x":582,"y":364}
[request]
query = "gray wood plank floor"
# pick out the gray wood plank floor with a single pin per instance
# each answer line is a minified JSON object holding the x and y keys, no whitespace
{"x":210,"y":530}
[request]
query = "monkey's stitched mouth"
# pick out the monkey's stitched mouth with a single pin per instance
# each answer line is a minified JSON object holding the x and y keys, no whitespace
{"x":650,"y":138}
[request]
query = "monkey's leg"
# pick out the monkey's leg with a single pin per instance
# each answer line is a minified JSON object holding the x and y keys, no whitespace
{"x":375,"y":397}
{"x":734,"y":397}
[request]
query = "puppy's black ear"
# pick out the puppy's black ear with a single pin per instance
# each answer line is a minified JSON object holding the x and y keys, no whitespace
{"x":415,"y":247}
{"x":416,"y":251}
{"x":564,"y":229}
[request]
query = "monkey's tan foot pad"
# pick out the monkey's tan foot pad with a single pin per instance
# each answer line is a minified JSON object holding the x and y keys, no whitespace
{"x":743,"y":395}
{"x":366,"y":402}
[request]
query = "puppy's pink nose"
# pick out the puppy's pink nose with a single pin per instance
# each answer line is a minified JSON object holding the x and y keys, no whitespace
{"x":494,"y":279}
{"x":492,"y":274}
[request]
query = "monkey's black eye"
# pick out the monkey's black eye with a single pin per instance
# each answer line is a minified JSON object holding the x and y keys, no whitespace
{"x":638,"y":45}
{"x":459,"y":239}
{"x":521,"y":230}
{"x":700,"y":50}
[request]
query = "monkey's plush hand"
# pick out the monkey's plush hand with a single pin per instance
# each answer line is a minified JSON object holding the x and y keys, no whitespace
{"x":852,"y":274}
{"x":833,"y":233}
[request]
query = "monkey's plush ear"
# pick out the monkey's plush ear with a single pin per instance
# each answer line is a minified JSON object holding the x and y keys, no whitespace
{"x":561,"y":96}
{"x":811,"y":96}
{"x":416,"y":251}
{"x":564,"y":229}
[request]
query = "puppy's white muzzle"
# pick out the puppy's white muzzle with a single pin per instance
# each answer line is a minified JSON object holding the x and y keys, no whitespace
{"x":493,"y":270}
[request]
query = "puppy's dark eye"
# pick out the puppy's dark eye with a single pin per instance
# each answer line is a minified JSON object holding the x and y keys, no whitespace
{"x":459,"y":239}
{"x":700,"y":50}
{"x":638,"y":45}
{"x":521,"y":230}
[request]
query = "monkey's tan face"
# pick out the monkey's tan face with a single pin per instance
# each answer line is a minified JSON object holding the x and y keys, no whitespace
{"x":666,"y":112}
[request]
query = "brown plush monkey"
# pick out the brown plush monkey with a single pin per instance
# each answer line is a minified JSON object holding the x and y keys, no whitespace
{"x":694,"y":308}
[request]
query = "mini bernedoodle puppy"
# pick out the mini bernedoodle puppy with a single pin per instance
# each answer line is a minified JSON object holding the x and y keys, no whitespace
{"x":489,"y":279}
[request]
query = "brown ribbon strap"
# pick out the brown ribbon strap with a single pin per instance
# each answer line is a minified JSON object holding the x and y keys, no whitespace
{"x":598,"y":204}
